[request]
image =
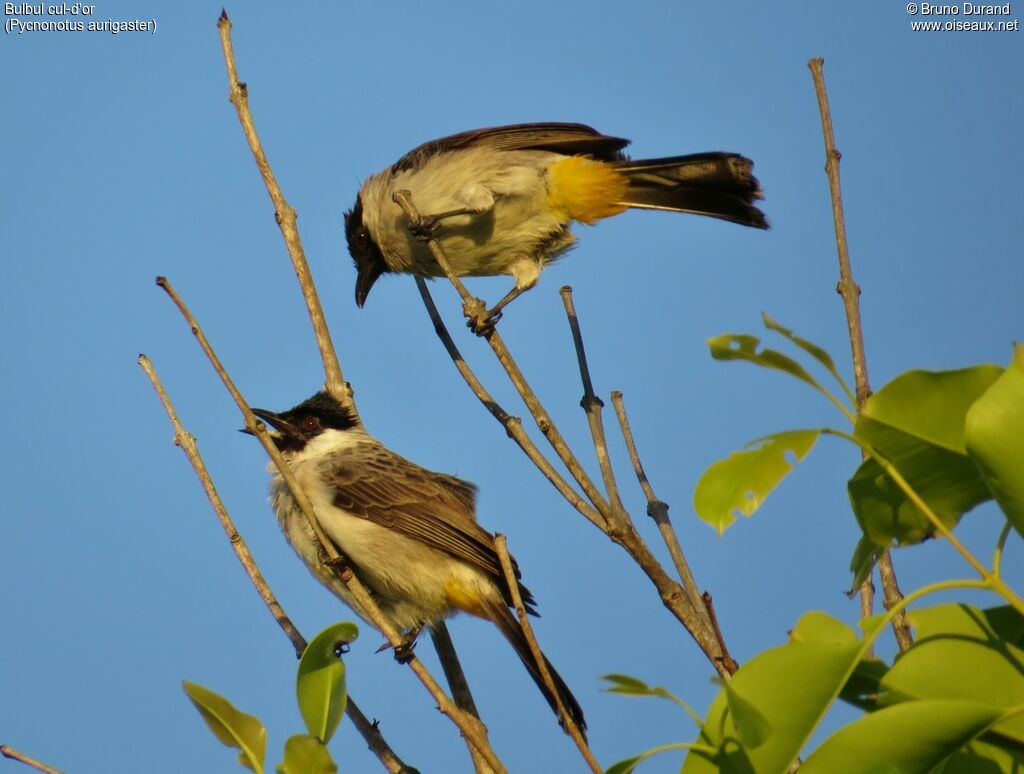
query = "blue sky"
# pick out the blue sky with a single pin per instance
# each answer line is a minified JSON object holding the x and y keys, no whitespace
{"x":124,"y":160}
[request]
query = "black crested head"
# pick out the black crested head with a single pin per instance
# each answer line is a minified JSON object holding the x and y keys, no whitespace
{"x":366,"y":255}
{"x":299,"y":425}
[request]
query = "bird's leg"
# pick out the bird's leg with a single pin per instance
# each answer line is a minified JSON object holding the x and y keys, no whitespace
{"x":476,"y":200}
{"x":427,"y":225}
{"x":404,"y":650}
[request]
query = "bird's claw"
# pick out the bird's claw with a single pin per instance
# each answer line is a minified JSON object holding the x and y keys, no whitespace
{"x":425,"y":228}
{"x":479,"y":319}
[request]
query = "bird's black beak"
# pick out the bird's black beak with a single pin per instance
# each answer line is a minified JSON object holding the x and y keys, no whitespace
{"x":282,"y":426}
{"x":368,"y":274}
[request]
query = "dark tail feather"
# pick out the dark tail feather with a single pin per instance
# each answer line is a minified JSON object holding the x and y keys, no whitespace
{"x":513,"y":632}
{"x":721,"y":185}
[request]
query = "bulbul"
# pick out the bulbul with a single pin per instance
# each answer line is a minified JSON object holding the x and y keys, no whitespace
{"x":502,"y":200}
{"x":409,"y":534}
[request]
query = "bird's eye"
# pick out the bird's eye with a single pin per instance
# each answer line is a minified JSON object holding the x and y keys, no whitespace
{"x":310,"y":423}
{"x":362,"y":235}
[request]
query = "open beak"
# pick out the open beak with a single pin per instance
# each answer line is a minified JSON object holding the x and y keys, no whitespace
{"x":282,"y":426}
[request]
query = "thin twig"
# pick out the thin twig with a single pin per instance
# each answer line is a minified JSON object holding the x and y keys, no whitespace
{"x":656,"y":509}
{"x":9,"y":752}
{"x":375,"y":740}
{"x":540,"y":416}
{"x":672,"y":594}
{"x":461,"y":693}
{"x":501,"y":546}
{"x":472,"y":730}
{"x":850,"y":293}
{"x":728,"y":661}
{"x":187,"y":443}
{"x":284,"y":214}
{"x":463,"y":696}
{"x":513,"y":425}
{"x":592,"y":406}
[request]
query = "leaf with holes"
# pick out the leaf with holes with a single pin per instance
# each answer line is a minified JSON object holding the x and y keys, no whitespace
{"x":320,"y":681}
{"x":742,"y":481}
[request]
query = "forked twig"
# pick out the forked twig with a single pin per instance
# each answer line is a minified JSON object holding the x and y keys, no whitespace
{"x":187,"y":443}
{"x":544,"y":422}
{"x":471,"y":728}
{"x":592,"y":406}
{"x":513,"y":425}
{"x":687,"y":609}
{"x":850,"y":293}
{"x":656,"y":509}
{"x":501,"y":547}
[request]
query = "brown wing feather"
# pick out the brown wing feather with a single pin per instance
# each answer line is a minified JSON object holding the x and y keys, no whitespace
{"x":570,"y":139}
{"x":433,"y":508}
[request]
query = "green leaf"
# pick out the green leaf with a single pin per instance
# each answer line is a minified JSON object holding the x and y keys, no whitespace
{"x":958,"y":655}
{"x":864,"y":685}
{"x":916,"y":422}
{"x":812,"y":349}
{"x":931,"y":406}
{"x":910,"y":738}
{"x":863,"y":561}
{"x":629,"y":764}
{"x":320,"y":681}
{"x":741,"y":482}
{"x":625,"y":766}
{"x":1007,"y":623}
{"x":741,"y":346}
{"x":231,"y":726}
{"x":981,"y":758}
{"x":793,"y":685}
{"x":947,"y":482}
{"x":751,"y":726}
{"x":304,"y":754}
{"x":628,"y":686}
{"x":995,"y":439}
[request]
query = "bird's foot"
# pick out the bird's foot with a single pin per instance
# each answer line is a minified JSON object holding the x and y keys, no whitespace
{"x":479,"y":318}
{"x":404,"y":649}
{"x":425,"y":229}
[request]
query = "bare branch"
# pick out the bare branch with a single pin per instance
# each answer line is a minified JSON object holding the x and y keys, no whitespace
{"x":284,"y":214}
{"x":472,"y":307}
{"x":730,"y":664}
{"x":187,"y":443}
{"x":500,"y":545}
{"x":513,"y":425}
{"x":9,"y":752}
{"x":656,"y":509}
{"x":375,"y":740}
{"x":850,"y":293}
{"x":461,"y":693}
{"x":450,"y":664}
{"x":688,"y":611}
{"x":592,"y":406}
{"x":472,"y":730}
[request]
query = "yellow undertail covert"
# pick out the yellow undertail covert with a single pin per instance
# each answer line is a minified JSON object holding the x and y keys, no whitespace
{"x":585,"y":190}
